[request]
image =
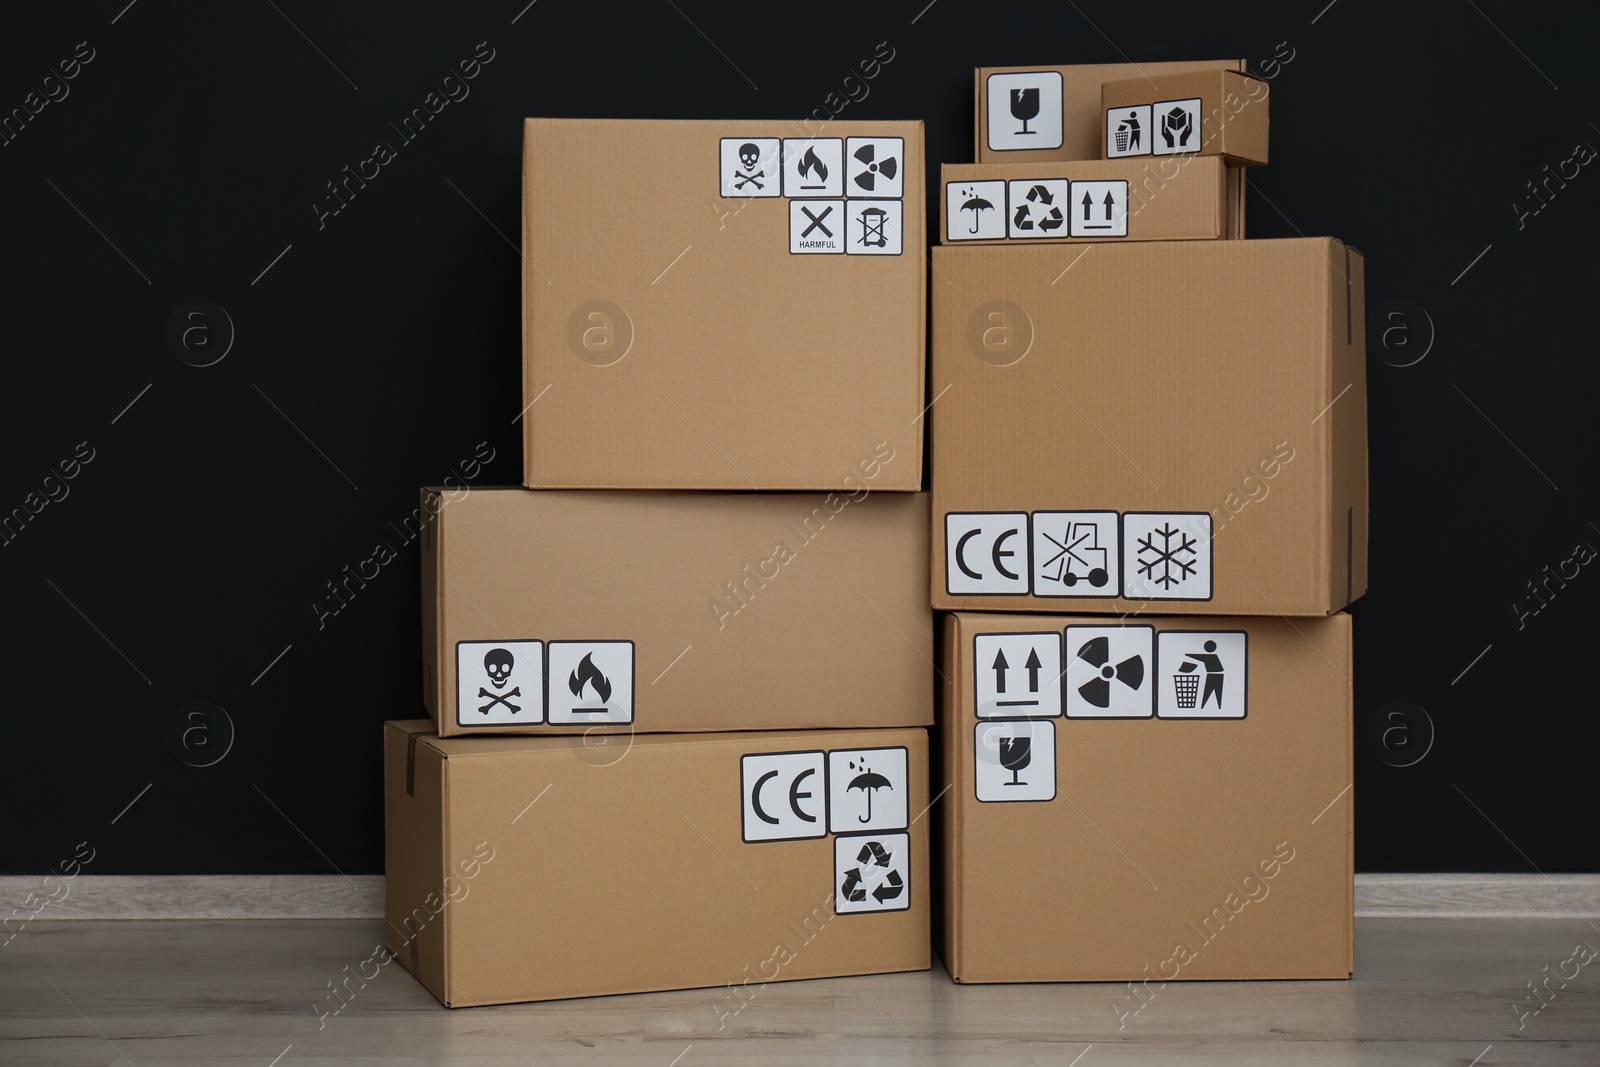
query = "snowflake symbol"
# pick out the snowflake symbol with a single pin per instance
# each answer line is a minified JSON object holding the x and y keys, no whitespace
{"x":1172,"y":560}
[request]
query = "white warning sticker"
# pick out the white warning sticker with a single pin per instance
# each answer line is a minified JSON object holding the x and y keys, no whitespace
{"x":975,"y":211}
{"x":785,"y":795}
{"x":1128,"y":131}
{"x":986,"y":553}
{"x":1110,"y":672}
{"x":871,"y":872}
{"x":1015,"y":760}
{"x":816,"y":227}
{"x":877,"y":166}
{"x":1075,"y":554}
{"x":873,"y":227}
{"x":1201,"y":674}
{"x":499,"y":682}
{"x":1100,"y":209}
{"x":813,"y":167}
{"x":591,"y":682}
{"x":751,"y":167}
{"x":1166,"y":555}
{"x":868,"y":789}
{"x":1038,"y":208}
{"x":1177,"y":127}
{"x":1016,"y":676}
{"x":1024,"y":110}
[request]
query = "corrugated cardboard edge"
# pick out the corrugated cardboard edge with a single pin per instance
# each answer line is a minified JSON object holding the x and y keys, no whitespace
{"x":1346,"y":432}
{"x":432,"y":598}
{"x":946,"y":934}
{"x":1346,"y":804}
{"x":1241,"y":76}
{"x":414,"y":851}
{"x":527,"y":290}
{"x":1236,"y":199}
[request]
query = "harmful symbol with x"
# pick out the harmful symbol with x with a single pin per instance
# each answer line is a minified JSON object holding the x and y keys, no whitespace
{"x":816,"y":221}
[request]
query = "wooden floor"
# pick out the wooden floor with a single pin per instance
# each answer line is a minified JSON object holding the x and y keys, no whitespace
{"x":199,"y":992}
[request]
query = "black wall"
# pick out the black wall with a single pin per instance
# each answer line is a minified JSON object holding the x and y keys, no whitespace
{"x":376,"y":350}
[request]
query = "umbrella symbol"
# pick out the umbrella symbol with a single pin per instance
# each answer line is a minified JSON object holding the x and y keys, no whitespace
{"x":868,"y":781}
{"x":975,"y":204}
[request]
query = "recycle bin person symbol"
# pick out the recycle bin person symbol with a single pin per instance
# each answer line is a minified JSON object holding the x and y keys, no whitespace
{"x":1127,"y":135}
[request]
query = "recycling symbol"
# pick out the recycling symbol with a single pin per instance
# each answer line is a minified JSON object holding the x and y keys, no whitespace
{"x":1041,"y":202}
{"x":876,"y":862}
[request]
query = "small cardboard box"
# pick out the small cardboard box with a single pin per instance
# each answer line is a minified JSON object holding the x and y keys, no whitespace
{"x":1170,"y":199}
{"x":1169,"y":426}
{"x":724,"y":860}
{"x":1210,"y":113}
{"x":1178,"y":807}
{"x":722,"y":305}
{"x":1064,"y":117}
{"x":580,"y":611}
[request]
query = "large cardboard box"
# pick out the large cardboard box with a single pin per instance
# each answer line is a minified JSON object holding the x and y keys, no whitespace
{"x":1168,"y":199}
{"x":1064,"y":116}
{"x":1179,"y":807}
{"x":562,"y":612}
{"x":532,"y":868}
{"x":1173,"y":426}
{"x":1212,"y":113}
{"x":722,"y":305}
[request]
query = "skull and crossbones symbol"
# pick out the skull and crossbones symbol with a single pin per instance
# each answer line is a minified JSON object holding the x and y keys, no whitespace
{"x":749,"y":156}
{"x":497,"y":664}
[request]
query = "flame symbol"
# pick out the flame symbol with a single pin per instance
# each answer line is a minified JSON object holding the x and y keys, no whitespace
{"x":812,"y":162}
{"x":588,"y":674}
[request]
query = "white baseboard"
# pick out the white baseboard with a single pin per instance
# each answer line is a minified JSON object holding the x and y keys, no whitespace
{"x":316,"y":896}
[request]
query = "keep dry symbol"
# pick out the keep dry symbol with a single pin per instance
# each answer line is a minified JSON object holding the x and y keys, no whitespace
{"x":975,"y":204}
{"x":868,"y":781}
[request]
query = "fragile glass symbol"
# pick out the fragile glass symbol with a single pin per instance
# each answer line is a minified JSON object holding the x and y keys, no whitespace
{"x":1025,"y":106}
{"x":1015,"y":755}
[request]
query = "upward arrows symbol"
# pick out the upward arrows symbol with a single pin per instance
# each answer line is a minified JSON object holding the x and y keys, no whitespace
{"x":1000,"y":666}
{"x":1109,"y":204}
{"x":1088,"y":204}
{"x":1033,"y":670}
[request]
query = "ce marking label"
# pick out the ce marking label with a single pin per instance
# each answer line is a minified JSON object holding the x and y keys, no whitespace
{"x":986,"y":553}
{"x":785,"y":795}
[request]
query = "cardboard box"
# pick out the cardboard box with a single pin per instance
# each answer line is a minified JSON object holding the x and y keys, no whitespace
{"x":1170,"y":199}
{"x":525,"y":868}
{"x":1212,"y":113}
{"x":1173,"y":426}
{"x":676,"y":611}
{"x":692,"y":320}
{"x":1067,"y":121}
{"x":1144,"y":835}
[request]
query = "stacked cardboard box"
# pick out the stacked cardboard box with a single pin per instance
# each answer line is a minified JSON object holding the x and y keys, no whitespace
{"x":708,"y":707}
{"x":1155,"y":443}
